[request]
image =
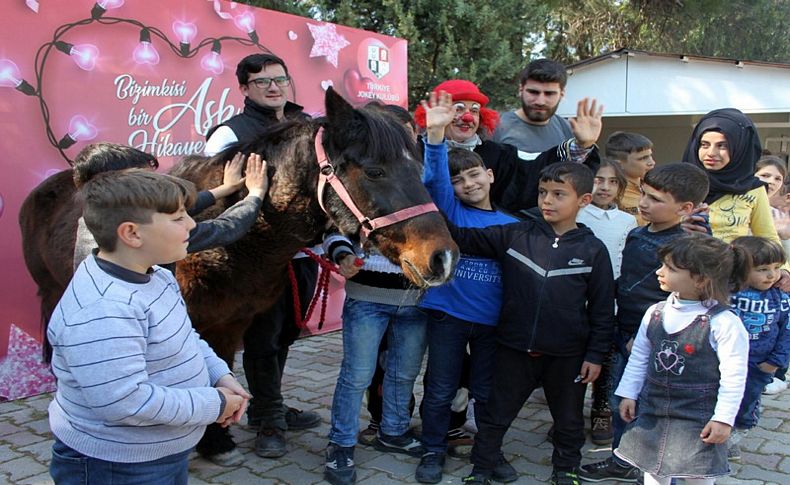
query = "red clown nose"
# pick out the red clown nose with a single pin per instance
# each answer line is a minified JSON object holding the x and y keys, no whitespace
{"x":468,"y":118}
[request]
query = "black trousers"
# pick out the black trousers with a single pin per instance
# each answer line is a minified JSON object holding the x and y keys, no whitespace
{"x":266,"y":345}
{"x":516,"y":375}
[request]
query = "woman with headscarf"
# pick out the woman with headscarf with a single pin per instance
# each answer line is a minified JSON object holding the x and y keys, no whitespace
{"x":726,"y":145}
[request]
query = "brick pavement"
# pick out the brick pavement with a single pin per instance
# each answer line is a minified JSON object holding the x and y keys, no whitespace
{"x":308,"y":384}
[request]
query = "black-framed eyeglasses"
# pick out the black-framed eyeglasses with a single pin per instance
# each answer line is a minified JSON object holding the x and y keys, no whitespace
{"x":265,"y":82}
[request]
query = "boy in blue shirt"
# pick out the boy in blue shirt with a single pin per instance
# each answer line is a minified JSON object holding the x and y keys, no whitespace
{"x":136,"y":386}
{"x":464,"y":311}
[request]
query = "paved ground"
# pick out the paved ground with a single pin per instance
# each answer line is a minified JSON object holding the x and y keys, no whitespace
{"x":310,"y":378}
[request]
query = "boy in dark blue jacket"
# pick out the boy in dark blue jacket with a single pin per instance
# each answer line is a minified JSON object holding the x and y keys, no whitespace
{"x":556,"y":322}
{"x":765,"y":311}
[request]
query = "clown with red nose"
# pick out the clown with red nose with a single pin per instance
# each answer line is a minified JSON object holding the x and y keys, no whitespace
{"x":515,"y":187}
{"x":472,"y":118}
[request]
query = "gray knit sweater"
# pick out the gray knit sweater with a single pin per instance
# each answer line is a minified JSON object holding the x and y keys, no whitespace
{"x":134,"y":378}
{"x":379,"y":281}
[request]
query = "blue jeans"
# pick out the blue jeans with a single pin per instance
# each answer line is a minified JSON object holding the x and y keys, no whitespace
{"x":749,"y":412}
{"x":70,"y":467}
{"x":447,"y":340}
{"x":364,"y":324}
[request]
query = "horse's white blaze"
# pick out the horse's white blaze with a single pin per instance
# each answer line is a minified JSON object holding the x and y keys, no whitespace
{"x":447,"y":263}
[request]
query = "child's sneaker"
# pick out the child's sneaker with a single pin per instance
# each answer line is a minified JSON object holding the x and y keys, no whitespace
{"x":477,"y":478}
{"x":608,"y":470}
{"x":775,"y":387}
{"x":405,"y":443}
{"x":559,"y":477}
{"x":733,"y":443}
{"x":733,"y":452}
{"x":504,"y":471}
{"x":367,"y":436}
{"x":431,"y":468}
{"x":601,"y":426}
{"x":339,"y":468}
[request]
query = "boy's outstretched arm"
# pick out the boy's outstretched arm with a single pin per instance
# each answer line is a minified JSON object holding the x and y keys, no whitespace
{"x":232,"y":181}
{"x":436,"y":173}
{"x":586,"y":125}
{"x":232,"y":178}
{"x":439,"y":113}
{"x":237,"y":219}
{"x":490,"y":242}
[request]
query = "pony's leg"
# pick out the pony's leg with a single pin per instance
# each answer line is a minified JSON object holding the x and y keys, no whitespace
{"x":224,"y":339}
{"x":217,"y":443}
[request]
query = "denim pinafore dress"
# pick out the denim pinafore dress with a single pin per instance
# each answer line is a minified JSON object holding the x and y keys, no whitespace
{"x":676,"y":402}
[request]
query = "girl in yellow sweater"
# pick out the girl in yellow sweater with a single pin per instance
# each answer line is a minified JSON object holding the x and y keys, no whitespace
{"x":726,"y":145}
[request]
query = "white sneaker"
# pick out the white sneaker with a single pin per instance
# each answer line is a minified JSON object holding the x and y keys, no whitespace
{"x":775,"y":387}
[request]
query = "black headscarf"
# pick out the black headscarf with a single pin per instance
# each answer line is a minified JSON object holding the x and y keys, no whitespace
{"x":744,"y":147}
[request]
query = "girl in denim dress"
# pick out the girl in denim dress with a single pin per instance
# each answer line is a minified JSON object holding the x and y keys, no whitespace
{"x":687,"y":366}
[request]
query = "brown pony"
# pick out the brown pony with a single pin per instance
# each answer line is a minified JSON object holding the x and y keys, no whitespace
{"x":226,"y":287}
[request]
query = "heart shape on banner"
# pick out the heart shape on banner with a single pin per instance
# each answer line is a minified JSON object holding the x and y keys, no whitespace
{"x":292,"y":35}
{"x":212,"y":63}
{"x":353,"y":83}
{"x":81,"y":129}
{"x":185,"y":30}
{"x":325,"y":84}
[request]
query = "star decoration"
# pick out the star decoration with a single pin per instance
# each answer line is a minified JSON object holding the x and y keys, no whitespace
{"x":327,"y":42}
{"x":22,"y":371}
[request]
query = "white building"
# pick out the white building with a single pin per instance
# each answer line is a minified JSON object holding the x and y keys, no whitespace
{"x":662,"y":96}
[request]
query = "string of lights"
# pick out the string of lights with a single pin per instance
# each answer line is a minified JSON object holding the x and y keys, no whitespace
{"x":85,"y":57}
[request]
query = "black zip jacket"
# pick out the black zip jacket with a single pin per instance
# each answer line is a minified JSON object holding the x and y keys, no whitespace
{"x":558,"y":290}
{"x":515,"y":187}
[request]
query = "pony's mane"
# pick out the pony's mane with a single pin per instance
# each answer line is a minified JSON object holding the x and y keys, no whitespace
{"x":385,"y":137}
{"x":270,"y":138}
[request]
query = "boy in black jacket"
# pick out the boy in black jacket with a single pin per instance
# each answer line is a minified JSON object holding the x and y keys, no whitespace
{"x":556,"y":323}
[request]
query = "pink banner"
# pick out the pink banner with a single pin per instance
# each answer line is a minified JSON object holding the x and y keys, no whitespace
{"x":154,"y":75}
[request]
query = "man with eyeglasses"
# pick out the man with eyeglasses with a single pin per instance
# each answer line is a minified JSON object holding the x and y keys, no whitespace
{"x":264,"y":82}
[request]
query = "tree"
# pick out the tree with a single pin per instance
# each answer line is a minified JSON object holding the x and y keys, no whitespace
{"x":742,"y":29}
{"x":490,"y":41}
{"x":483,"y":41}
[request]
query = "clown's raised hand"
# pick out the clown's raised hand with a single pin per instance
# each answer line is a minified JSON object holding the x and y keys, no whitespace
{"x":586,"y":125}
{"x":439,"y":113}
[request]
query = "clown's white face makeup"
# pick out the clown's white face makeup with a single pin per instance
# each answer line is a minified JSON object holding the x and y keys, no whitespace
{"x":466,"y":121}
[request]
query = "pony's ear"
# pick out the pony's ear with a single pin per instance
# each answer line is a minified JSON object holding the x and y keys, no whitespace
{"x":338,"y":111}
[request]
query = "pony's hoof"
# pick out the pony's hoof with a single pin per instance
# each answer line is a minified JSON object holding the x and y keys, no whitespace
{"x":228,"y":458}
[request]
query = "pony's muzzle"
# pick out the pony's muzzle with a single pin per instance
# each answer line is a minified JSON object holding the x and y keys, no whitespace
{"x":441,"y":264}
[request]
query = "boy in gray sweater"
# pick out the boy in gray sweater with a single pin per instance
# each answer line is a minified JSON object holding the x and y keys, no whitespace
{"x":136,"y":384}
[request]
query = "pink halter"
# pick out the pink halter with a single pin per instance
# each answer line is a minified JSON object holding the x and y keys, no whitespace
{"x":327,"y":175}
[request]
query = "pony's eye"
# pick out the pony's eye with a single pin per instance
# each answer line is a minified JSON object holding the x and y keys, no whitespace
{"x":374,"y":173}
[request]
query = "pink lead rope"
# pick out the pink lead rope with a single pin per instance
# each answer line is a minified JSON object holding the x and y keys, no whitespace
{"x":327,"y":175}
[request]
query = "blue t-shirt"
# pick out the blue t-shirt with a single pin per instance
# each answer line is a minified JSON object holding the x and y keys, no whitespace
{"x":765,"y":316}
{"x":474,"y":293}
